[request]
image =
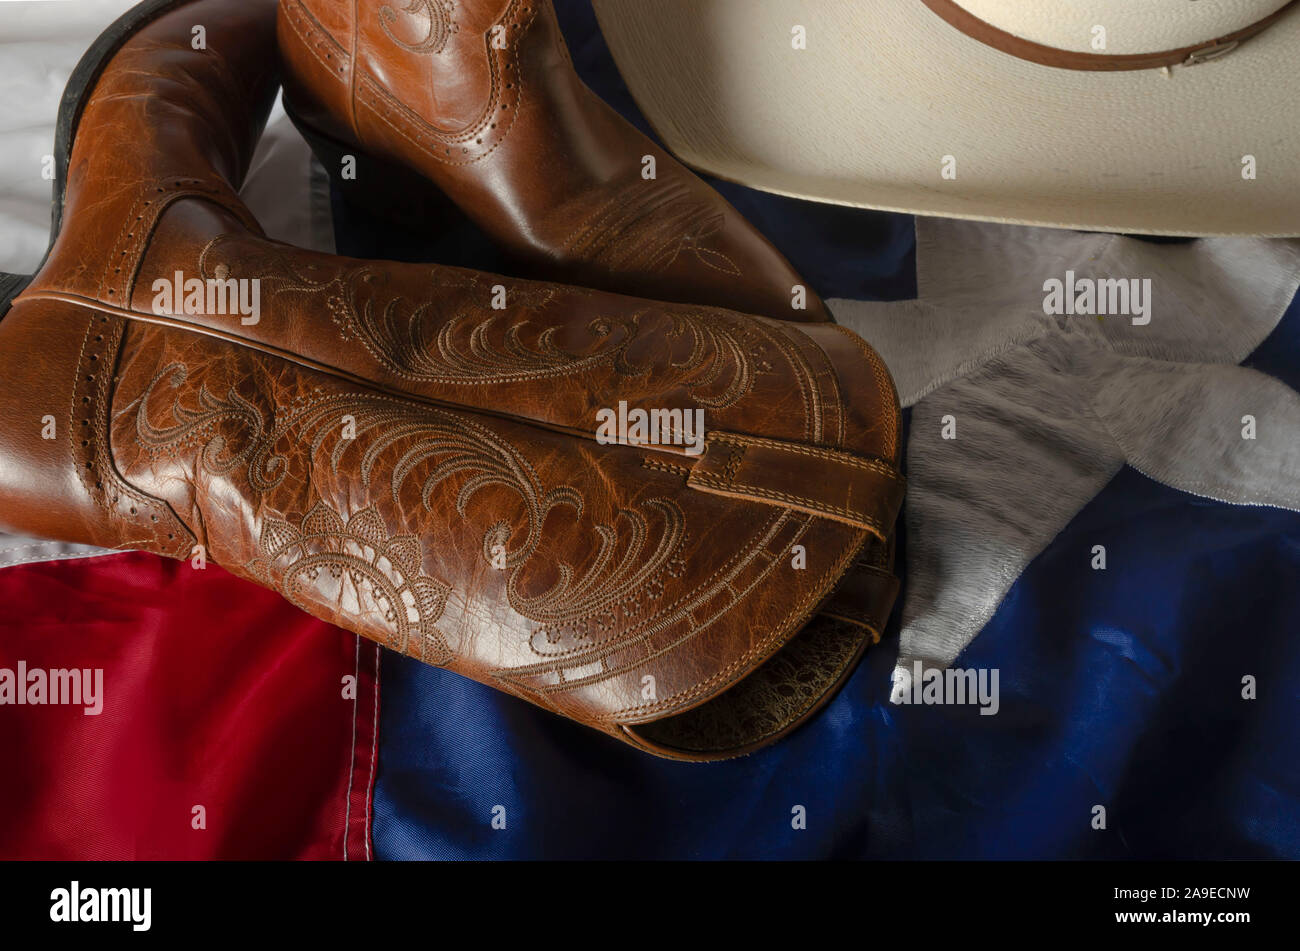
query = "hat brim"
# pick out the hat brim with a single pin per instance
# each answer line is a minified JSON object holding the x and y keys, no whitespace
{"x":887,"y":96}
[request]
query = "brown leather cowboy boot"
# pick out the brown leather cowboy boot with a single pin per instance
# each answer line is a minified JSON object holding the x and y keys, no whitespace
{"x":419,"y":453}
{"x":480,"y":98}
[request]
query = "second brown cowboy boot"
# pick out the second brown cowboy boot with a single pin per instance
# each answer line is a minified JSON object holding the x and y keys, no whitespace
{"x":670,"y":523}
{"x":480,"y":98}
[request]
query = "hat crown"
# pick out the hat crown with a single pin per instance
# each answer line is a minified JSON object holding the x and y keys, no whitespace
{"x":1131,"y":26}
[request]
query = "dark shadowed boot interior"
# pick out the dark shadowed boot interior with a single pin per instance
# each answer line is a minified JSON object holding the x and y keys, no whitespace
{"x":794,"y":682}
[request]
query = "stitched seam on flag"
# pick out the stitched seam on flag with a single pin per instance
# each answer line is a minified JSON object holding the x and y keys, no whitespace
{"x":37,"y":559}
{"x":4,"y":551}
{"x":352,"y":764}
{"x":374,"y":753}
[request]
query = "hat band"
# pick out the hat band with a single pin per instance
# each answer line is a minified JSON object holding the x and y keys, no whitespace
{"x":999,"y":39}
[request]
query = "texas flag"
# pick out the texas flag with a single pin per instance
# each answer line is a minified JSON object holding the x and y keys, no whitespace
{"x":1100,"y":545}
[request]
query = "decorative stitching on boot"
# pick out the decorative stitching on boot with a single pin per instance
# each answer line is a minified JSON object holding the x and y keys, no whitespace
{"x":315,"y":37}
{"x":478,"y":140}
{"x":90,"y":442}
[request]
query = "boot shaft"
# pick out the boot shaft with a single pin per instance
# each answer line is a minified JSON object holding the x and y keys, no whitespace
{"x":424,"y":455}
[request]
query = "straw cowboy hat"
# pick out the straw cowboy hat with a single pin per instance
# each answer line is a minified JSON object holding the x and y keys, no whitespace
{"x":1146,"y":116}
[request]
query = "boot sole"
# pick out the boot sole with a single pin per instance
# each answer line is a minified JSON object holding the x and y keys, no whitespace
{"x":72,"y":103}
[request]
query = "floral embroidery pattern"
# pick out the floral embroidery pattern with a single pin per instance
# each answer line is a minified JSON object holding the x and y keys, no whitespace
{"x":442,"y":446}
{"x":441,"y":25}
{"x":356,"y":565}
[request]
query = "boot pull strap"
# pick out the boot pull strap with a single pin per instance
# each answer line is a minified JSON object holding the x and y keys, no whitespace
{"x":859,"y":490}
{"x":865,"y":597}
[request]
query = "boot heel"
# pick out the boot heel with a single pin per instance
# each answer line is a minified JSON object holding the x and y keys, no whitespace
{"x":374,"y":186}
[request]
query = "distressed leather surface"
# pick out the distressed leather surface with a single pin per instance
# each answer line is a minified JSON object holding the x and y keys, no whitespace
{"x":395,"y":454}
{"x":480,"y":98}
